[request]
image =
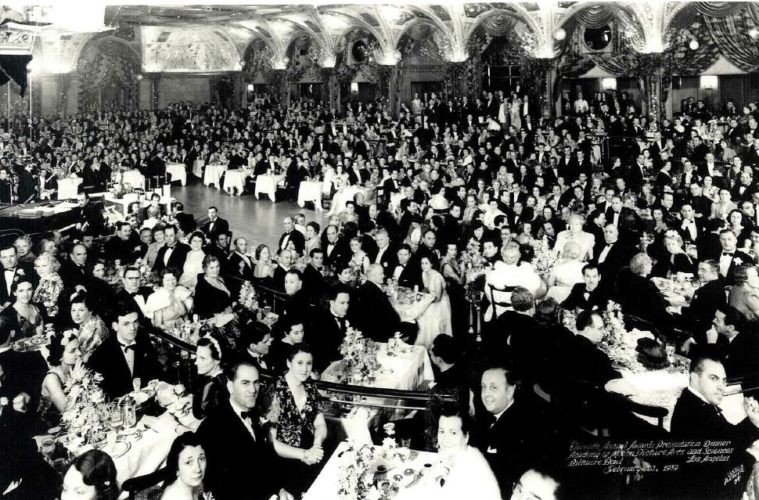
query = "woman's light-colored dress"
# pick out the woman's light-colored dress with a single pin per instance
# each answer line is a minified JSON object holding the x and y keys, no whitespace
{"x":193,"y":266}
{"x":436,"y":319}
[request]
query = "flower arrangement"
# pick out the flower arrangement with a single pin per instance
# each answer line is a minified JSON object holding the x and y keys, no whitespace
{"x":614,"y":323}
{"x":359,"y":358}
{"x":247,"y":298}
{"x":355,"y":474}
{"x":86,"y":417}
{"x":545,"y":258}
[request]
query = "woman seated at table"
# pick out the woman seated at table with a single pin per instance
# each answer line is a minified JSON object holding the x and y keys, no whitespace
{"x":292,"y":336}
{"x":23,"y":316}
{"x":170,"y":304}
{"x":212,"y":383}
{"x":566,"y":273}
{"x":436,"y":319}
{"x":193,"y":264}
{"x":263,"y":270}
{"x":359,"y":260}
{"x":100,"y":293}
{"x":212,"y":296}
{"x":91,"y":330}
{"x":672,"y":259}
{"x":50,"y":285}
{"x":461,"y":470}
{"x":91,"y":476}
{"x":298,"y":428}
{"x":312,"y":237}
{"x":63,"y":356}
{"x":185,"y":468}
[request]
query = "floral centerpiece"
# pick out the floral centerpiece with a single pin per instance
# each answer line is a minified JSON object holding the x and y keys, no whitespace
{"x":247,"y":298}
{"x":545,"y":258}
{"x":86,"y":417}
{"x":473,"y":262}
{"x":614,"y":323}
{"x":356,"y":475}
{"x":359,"y":358}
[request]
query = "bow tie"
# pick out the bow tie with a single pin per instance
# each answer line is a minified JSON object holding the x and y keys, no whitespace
{"x":133,"y":347}
{"x":246,"y":415}
{"x":728,"y":254}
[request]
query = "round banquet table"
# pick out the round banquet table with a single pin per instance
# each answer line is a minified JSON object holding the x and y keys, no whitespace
{"x":310,"y":191}
{"x":213,"y":175}
{"x":134,"y":178}
{"x":267,"y":184}
{"x":235,"y":179}
{"x":178,"y":172}
{"x":68,"y":187}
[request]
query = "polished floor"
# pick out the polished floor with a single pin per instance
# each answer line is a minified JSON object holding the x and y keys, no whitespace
{"x":259,"y":221}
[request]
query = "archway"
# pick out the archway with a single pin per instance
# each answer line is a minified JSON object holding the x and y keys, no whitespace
{"x":108,"y":76}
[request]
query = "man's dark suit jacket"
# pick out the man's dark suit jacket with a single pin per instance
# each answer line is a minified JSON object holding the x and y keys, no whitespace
{"x":176,"y":259}
{"x":373,"y":313}
{"x":313,"y":282}
{"x":73,"y":275}
{"x":388,"y":260}
{"x":576,"y":298}
{"x":340,"y":253}
{"x":587,"y":362}
{"x":125,"y":251}
{"x":694,"y":418}
{"x":108,"y":360}
{"x":640,"y":297}
{"x":186,"y":222}
{"x":240,"y":467}
{"x":618,"y":257}
{"x":325,"y":336}
{"x":219,"y":226}
{"x":297,"y":238}
{"x":278,"y":280}
{"x":705,"y":302}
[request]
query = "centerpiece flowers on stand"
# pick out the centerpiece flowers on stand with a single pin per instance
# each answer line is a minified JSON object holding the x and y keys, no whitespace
{"x":86,"y":418}
{"x":247,"y":298}
{"x":359,"y":361}
{"x":368,"y":472}
{"x":545,"y":258}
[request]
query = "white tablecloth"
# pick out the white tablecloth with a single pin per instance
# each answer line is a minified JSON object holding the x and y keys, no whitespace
{"x":134,"y":178}
{"x":235,"y":179}
{"x":310,"y":191}
{"x":197,"y":168}
{"x":347,"y":194}
{"x":213,"y":175}
{"x":327,"y":483}
{"x":68,"y":187}
{"x":267,"y":184}
{"x":405,"y":371}
{"x":178,"y":172}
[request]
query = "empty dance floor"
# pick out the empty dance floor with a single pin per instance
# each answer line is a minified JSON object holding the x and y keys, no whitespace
{"x":259,"y":221}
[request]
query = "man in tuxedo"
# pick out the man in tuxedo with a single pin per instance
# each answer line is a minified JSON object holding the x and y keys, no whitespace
{"x":612,"y":255}
{"x":126,"y":355}
{"x":385,"y":256}
{"x":12,"y":271}
{"x":731,"y":256}
{"x":588,"y":295}
{"x":707,"y":298}
{"x":329,"y":329}
{"x":336,"y":250}
{"x":186,"y":222}
{"x":697,"y":414}
{"x":291,"y":235}
{"x":584,"y":360}
{"x":215,"y":224}
{"x":172,"y":254}
{"x":237,"y":446}
{"x":313,"y":279}
{"x":688,"y":226}
{"x":132,"y":293}
{"x":121,"y":246}
{"x":403,"y":273}
{"x":239,"y":264}
{"x":510,"y":428}
{"x":256,"y":342}
{"x":284,"y":261}
{"x":297,"y":305}
{"x":374,"y":315}
{"x":73,"y":270}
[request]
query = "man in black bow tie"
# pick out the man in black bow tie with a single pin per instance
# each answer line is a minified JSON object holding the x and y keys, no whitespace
{"x":126,"y":355}
{"x":237,"y":446}
{"x":133,"y":293}
{"x":329,"y":329}
{"x":12,"y":269}
{"x":731,"y":256}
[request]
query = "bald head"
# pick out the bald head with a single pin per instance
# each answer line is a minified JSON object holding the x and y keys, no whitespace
{"x":375,"y":274}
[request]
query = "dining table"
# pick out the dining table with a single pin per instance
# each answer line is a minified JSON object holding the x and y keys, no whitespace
{"x":348,"y":193}
{"x":213,"y":175}
{"x":235,"y":179}
{"x":68,"y":187}
{"x":267,"y":184}
{"x":310,"y":191}
{"x":401,"y":366}
{"x":178,"y":172}
{"x":133,"y":178}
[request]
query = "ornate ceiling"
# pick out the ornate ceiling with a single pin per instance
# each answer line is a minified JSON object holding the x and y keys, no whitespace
{"x":215,"y":37}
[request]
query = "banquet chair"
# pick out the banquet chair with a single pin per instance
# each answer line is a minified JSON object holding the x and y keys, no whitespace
{"x":502,"y":300}
{"x":147,"y":487}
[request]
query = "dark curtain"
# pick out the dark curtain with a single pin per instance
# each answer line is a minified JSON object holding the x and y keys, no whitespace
{"x":13,"y":67}
{"x":731,"y":35}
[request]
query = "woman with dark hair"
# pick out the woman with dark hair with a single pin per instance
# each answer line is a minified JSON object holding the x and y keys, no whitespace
{"x":312,"y":237}
{"x":170,"y":304}
{"x":298,"y":428}
{"x":63,"y":356}
{"x":91,"y":476}
{"x":263,"y":270}
{"x":211,"y":293}
{"x":100,"y":293}
{"x":23,"y":316}
{"x":92,"y":330}
{"x":212,"y":384}
{"x":193,"y":264}
{"x":185,"y":469}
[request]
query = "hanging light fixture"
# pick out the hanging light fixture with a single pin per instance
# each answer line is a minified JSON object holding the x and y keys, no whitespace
{"x":560,"y":34}
{"x":753,"y":33}
{"x":693,"y":45}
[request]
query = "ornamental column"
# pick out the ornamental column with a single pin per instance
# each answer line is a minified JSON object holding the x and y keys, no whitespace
{"x":155,"y":90}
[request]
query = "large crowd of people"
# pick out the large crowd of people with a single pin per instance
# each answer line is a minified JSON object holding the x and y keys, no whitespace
{"x":506,"y":222}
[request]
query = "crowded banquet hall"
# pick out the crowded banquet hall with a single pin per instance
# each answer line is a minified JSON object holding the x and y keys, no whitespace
{"x":366,"y":251}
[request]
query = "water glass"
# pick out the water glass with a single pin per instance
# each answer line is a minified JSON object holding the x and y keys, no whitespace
{"x":136,"y":383}
{"x":114,"y":415}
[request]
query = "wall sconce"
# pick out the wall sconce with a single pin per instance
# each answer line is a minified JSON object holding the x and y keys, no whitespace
{"x":354,"y":87}
{"x":250,"y":87}
{"x":709,"y":82}
{"x":609,"y":83}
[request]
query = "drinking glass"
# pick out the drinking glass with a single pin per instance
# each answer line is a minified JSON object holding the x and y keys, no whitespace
{"x":136,"y":384}
{"x":114,"y":415}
